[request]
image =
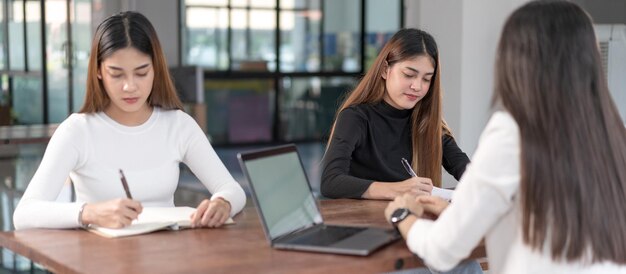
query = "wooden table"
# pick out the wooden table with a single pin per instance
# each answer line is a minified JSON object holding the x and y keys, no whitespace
{"x":239,"y":248}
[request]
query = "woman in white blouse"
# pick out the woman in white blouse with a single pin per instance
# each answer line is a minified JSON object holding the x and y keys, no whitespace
{"x":546,"y":188}
{"x":132,"y":121}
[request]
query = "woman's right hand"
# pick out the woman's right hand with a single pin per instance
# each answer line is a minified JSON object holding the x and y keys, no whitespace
{"x":417,"y":186}
{"x":116,"y":213}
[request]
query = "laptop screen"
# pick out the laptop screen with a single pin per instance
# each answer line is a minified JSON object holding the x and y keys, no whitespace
{"x":282,"y":192}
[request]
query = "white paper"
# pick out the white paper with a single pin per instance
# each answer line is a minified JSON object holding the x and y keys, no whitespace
{"x":443,"y":193}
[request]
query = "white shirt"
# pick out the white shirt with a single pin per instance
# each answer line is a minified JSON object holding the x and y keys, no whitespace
{"x":92,"y":148}
{"x":486,"y":204}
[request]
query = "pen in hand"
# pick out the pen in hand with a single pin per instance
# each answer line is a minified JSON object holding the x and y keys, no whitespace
{"x":407,"y":167}
{"x":125,"y":185}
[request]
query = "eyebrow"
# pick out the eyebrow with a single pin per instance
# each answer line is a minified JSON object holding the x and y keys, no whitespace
{"x":137,"y":68}
{"x":417,"y":71}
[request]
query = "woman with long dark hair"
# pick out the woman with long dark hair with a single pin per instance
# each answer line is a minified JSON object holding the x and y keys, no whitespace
{"x":547,"y":185}
{"x":393,"y":113}
{"x":132,"y":121}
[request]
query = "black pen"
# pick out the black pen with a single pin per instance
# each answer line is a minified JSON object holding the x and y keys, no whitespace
{"x":125,"y":185}
{"x":408,"y":168}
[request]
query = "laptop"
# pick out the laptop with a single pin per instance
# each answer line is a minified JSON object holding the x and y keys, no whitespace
{"x":289,"y":212}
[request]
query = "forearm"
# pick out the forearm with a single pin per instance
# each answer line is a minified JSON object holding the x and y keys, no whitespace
{"x":45,"y":214}
{"x":379,"y":191}
{"x":405,"y":226}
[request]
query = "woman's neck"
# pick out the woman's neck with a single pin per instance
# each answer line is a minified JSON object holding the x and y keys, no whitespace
{"x":130,"y":119}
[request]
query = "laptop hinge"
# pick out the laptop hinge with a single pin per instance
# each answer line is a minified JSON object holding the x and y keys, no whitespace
{"x":288,"y":234}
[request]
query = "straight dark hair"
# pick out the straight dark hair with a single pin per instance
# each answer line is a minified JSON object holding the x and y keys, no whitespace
{"x":427,"y":122}
{"x":549,"y":76}
{"x":119,"y":31}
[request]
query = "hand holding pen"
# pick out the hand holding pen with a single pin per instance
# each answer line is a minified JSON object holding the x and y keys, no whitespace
{"x":423,"y":186}
{"x":115,"y":213}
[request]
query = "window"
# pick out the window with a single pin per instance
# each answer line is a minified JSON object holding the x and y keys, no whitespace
{"x":291,"y":61}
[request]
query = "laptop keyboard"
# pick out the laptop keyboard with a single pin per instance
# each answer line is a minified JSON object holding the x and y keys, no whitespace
{"x":327,"y":235}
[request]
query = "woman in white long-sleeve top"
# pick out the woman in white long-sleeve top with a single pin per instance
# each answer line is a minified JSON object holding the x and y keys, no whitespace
{"x":546,"y":188}
{"x":132,"y":121}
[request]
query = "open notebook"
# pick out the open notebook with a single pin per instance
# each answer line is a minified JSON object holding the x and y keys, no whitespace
{"x":152,"y":219}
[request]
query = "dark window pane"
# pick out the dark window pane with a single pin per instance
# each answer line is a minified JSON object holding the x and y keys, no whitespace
{"x":309,"y":104}
{"x":239,"y":111}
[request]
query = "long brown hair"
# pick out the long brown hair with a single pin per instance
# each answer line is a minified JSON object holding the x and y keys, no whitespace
{"x":427,"y":123}
{"x":549,"y":76}
{"x":122,"y":30}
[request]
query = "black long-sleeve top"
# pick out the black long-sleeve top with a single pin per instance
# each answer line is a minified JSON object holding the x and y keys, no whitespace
{"x":368,"y":143}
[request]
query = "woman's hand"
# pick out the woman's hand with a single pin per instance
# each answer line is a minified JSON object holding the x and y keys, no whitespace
{"x":116,"y":213}
{"x":432,"y":205}
{"x":416,"y":186}
{"x":407,"y":201}
{"x":211,"y":213}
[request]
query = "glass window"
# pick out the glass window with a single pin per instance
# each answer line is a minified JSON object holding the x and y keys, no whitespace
{"x":57,"y":49}
{"x":309,"y":105}
{"x":16,"y":41}
{"x":81,"y":28}
{"x":239,"y":111}
{"x":27,"y":100}
{"x":342,"y":50}
{"x":253,"y":40}
{"x":297,"y":4}
{"x":320,"y":55}
{"x":33,"y":32}
{"x":2,"y":38}
{"x":379,"y":29}
{"x":207,"y":2}
{"x":300,"y":44}
{"x":253,"y":3}
{"x":206,"y":42}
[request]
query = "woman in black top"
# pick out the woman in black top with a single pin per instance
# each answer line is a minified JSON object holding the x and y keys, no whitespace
{"x":393,"y":113}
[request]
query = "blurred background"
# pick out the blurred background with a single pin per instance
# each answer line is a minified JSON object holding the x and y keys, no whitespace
{"x":253,"y":73}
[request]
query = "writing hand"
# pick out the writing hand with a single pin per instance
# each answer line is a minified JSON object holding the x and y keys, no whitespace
{"x":211,"y":213}
{"x":388,"y":191}
{"x":116,"y":213}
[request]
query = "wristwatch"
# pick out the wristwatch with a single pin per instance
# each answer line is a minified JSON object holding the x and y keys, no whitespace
{"x":399,"y":215}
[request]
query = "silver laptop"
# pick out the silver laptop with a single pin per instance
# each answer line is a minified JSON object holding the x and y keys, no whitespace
{"x":289,"y":212}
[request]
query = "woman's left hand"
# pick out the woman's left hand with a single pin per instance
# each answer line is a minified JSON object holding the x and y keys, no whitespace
{"x":211,"y":213}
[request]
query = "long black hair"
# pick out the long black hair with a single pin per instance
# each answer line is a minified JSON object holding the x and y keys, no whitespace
{"x":549,"y":76}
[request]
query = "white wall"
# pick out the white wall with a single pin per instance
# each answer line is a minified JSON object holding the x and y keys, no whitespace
{"x":467,"y":33}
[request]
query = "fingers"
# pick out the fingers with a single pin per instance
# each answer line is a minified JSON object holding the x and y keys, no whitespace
{"x":211,"y":213}
{"x":425,"y":184}
{"x":197,"y":216}
{"x":431,"y":204}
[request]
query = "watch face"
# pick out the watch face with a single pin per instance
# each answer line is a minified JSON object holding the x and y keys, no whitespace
{"x":399,"y":215}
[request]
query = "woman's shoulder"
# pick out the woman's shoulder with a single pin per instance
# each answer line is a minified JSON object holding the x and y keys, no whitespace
{"x":77,"y":120}
{"x":502,"y":119}
{"x":358,"y":111}
{"x":174,"y":115}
